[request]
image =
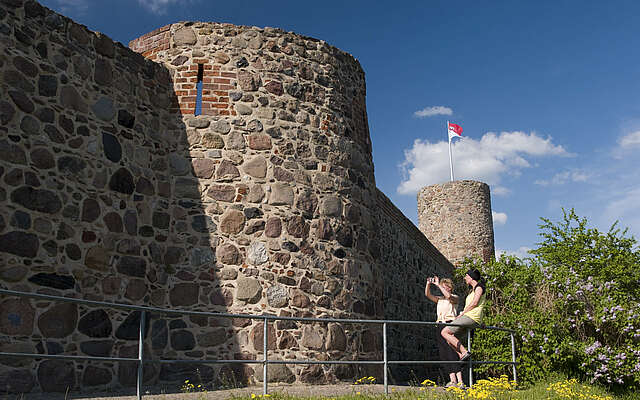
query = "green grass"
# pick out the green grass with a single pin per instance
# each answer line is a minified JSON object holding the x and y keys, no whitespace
{"x":535,"y":392}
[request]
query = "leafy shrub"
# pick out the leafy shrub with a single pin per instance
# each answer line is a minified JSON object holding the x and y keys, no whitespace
{"x":575,"y":304}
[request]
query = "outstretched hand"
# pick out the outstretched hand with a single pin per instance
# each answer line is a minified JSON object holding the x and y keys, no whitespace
{"x":436,"y":280}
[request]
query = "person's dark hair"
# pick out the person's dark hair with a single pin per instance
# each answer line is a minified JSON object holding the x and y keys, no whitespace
{"x":475,"y":274}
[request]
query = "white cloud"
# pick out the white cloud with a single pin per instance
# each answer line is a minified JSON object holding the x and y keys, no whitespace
{"x":521,"y":252}
{"x":500,"y":190}
{"x":431,"y":111}
{"x":499,"y":218}
{"x":564,"y":177}
{"x":488,"y":159}
{"x":73,"y":6}
{"x":630,"y":140}
{"x":626,"y":144}
{"x":158,"y":6}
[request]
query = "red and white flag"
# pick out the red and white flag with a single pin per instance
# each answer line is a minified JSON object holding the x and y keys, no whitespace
{"x":455,"y":130}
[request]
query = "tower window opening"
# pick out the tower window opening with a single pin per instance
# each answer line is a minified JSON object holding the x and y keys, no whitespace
{"x":198,"y":110}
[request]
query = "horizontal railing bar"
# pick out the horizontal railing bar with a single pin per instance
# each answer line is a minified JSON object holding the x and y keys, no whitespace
{"x":400,"y":322}
{"x":167,"y":361}
{"x":185,"y":312}
{"x":494,"y":328}
{"x":66,"y":357}
{"x":124,"y":306}
{"x":324,"y":362}
{"x":448,"y":362}
{"x":497,"y":362}
{"x":196,"y":361}
{"x":293,"y":362}
{"x":426,"y":362}
{"x":224,"y":315}
{"x":307,"y":319}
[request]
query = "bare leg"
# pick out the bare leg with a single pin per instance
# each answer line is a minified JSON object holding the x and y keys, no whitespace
{"x":459,"y":374}
{"x":454,"y":342}
{"x":452,"y":377}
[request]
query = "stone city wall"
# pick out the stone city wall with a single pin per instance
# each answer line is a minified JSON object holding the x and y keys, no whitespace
{"x":465,"y":206}
{"x":407,"y":259}
{"x":89,"y":206}
{"x":112,"y":189}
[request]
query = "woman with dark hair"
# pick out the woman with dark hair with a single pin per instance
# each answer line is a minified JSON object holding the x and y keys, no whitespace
{"x":470,"y":317}
{"x":445,"y":313}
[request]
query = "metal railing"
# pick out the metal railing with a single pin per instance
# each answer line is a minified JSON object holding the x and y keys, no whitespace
{"x":265,"y":361}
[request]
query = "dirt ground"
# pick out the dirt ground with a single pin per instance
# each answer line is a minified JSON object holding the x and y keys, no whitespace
{"x":301,"y":390}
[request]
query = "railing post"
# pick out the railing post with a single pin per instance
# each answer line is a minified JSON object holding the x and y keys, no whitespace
{"x":141,"y":353}
{"x":513,"y":357}
{"x":384,"y":352}
{"x":265,"y":346}
{"x":470,"y":361}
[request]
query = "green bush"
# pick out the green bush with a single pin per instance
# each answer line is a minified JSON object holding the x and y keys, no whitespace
{"x":575,"y":304}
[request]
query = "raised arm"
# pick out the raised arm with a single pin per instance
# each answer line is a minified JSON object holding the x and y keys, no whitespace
{"x":427,"y":292}
{"x":446,"y":293}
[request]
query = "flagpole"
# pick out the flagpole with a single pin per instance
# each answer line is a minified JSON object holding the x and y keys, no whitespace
{"x":450,"y":158}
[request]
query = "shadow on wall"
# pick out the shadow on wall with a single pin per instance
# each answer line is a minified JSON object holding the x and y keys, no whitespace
{"x":99,"y":200}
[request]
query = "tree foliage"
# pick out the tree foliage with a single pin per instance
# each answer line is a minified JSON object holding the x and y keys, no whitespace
{"x":575,"y":304}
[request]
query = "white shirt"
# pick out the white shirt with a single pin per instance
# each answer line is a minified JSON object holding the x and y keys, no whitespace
{"x":445,"y":310}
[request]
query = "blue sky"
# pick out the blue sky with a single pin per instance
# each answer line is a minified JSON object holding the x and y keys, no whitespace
{"x":548,"y":93}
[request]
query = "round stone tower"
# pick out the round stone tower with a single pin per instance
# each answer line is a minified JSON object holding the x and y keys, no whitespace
{"x":456,"y":218}
{"x":279,"y":142}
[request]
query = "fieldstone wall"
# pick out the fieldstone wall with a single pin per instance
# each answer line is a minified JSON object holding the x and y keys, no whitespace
{"x":456,"y":218}
{"x":408,"y":258}
{"x":113,"y":189}
{"x":89,"y":206}
{"x":283,"y":119}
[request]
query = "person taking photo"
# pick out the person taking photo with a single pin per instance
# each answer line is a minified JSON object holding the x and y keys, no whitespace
{"x":446,"y":305}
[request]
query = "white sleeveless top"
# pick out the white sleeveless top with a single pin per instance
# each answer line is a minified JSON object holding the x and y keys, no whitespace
{"x":445,"y":310}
